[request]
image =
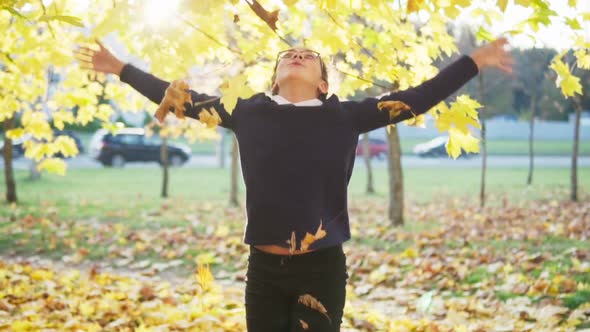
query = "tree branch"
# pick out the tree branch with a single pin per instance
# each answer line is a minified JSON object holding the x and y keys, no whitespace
{"x":388,"y":88}
{"x":189,"y":23}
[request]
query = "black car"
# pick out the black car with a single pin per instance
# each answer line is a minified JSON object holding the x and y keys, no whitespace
{"x":18,"y":149}
{"x":132,"y":145}
{"x":437,"y":148}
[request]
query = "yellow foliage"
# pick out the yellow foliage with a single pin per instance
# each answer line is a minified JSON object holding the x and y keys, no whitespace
{"x":38,"y":42}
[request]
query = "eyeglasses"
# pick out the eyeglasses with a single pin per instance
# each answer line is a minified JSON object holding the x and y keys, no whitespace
{"x":290,"y":54}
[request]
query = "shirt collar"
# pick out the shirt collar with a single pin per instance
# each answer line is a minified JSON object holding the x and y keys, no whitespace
{"x":282,"y":101}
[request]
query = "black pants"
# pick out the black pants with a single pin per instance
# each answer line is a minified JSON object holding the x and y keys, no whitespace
{"x":275,"y":284}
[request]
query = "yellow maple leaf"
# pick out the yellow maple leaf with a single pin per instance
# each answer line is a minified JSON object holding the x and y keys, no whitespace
{"x":568,"y":83}
{"x":53,"y":165}
{"x":583,"y":57}
{"x":86,"y":309}
{"x":204,"y":277}
{"x":15,"y":133}
{"x":210,"y":118}
{"x":417,"y":121}
{"x":66,"y":145}
{"x":41,"y":275}
{"x":414,"y":5}
{"x":460,"y":141}
{"x":233,"y":89}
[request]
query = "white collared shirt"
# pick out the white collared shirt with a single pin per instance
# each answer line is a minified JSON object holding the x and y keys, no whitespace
{"x":310,"y":102}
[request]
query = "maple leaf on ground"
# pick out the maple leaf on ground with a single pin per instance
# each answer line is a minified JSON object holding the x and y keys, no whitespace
{"x":204,"y":277}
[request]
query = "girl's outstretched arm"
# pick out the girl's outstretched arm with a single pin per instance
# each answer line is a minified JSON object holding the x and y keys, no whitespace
{"x":152,"y":87}
{"x":420,"y":99}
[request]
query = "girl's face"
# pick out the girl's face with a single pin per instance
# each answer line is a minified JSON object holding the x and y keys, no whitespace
{"x":300,"y":64}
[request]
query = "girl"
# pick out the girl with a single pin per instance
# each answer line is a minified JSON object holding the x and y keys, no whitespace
{"x":297,"y":149}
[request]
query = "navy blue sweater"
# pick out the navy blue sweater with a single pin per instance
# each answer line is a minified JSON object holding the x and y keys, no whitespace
{"x":297,"y":160}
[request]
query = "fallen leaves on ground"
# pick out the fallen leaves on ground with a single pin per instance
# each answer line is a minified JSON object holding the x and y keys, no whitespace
{"x":454,"y":267}
{"x":41,"y":299}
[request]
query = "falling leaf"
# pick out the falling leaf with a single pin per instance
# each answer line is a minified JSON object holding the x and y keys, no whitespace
{"x":394,"y":107}
{"x":234,"y":88}
{"x":304,"y":325}
{"x":311,"y":302}
{"x":414,"y":5}
{"x":175,"y":97}
{"x":210,"y":118}
{"x":292,"y":243}
{"x":311,"y":238}
{"x":417,"y":121}
{"x":270,"y":18}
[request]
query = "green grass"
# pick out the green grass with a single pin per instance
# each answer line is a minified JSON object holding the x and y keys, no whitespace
{"x":479,"y":275}
{"x":127,"y":195}
{"x":552,"y":244}
{"x":426,"y":184}
{"x":541,"y":148}
{"x":505,"y":296}
{"x":136,"y":186}
{"x":577,"y":299}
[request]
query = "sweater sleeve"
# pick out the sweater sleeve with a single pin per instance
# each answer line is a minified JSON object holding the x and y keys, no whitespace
{"x":154,"y":88}
{"x":419,"y":99}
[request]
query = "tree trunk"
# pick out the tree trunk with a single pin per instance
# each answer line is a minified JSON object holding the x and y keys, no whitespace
{"x":235,"y":169}
{"x":367,"y":157}
{"x":221,"y":154}
{"x":484,"y":149}
{"x":34,"y":174}
{"x":164,"y":160}
{"x":8,"y":170}
{"x":396,"y":185}
{"x":529,"y":180}
{"x":574,"y":175}
{"x":484,"y":165}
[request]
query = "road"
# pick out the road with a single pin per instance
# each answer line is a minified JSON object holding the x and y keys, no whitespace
{"x":196,"y":161}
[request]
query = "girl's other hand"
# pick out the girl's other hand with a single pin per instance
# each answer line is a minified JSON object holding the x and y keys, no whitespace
{"x":101,"y":60}
{"x":493,"y":55}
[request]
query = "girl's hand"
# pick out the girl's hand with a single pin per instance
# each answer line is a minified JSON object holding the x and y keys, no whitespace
{"x":493,"y":55}
{"x":101,"y":60}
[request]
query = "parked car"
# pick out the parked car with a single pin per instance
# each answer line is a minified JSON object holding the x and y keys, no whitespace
{"x":377,"y":148}
{"x":437,"y":148}
{"x":18,"y":149}
{"x":132,"y":145}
